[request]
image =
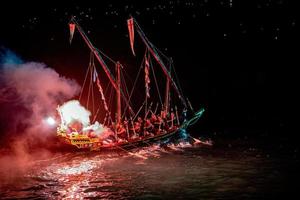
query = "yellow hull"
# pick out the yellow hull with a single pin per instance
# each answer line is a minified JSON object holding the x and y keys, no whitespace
{"x":78,"y":140}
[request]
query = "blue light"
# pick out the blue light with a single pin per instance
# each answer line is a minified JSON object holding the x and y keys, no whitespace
{"x":7,"y":57}
{"x":183,"y":134}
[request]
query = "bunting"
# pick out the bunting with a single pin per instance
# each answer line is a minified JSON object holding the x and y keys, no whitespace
{"x":72,"y":30}
{"x":102,"y":94}
{"x":131,"y":33}
{"x":95,"y":75}
{"x":147,"y":79}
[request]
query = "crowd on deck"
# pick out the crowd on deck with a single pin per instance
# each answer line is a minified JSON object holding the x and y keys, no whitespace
{"x":154,"y":125}
{"x":132,"y":129}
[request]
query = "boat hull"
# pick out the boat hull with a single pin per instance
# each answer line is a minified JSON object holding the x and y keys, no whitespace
{"x":94,"y":144}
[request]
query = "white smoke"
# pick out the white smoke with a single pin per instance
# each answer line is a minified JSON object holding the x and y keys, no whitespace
{"x":72,"y":111}
{"x":99,"y":130}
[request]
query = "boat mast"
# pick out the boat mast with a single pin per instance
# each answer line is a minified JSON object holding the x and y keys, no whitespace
{"x":118,"y":113}
{"x":158,"y":59}
{"x":167,"y":96}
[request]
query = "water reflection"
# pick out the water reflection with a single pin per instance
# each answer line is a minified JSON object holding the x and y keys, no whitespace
{"x":179,"y":172}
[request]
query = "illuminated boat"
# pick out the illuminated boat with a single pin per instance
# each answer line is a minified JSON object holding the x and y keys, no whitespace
{"x":128,"y":128}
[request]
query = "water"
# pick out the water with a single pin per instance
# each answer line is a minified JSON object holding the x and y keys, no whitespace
{"x":178,"y":172}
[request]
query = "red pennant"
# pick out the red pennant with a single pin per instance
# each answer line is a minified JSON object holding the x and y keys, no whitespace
{"x":72,"y":30}
{"x":131,"y":33}
{"x":147,"y":79}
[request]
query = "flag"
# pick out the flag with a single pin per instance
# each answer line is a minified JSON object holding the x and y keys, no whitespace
{"x":147,"y":79}
{"x":95,"y":75}
{"x":131,"y":33}
{"x":72,"y":30}
{"x":102,"y":95}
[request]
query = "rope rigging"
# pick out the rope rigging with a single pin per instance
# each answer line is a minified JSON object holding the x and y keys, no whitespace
{"x":106,"y":56}
{"x":132,"y":90}
{"x":155,"y":80}
{"x":125,"y":88}
{"x":85,"y":79}
{"x":158,"y":59}
{"x":120,"y":85}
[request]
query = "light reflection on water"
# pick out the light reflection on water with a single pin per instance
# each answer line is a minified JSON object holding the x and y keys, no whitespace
{"x":181,"y":172}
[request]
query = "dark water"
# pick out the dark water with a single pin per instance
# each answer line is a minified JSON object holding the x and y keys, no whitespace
{"x":179,"y":172}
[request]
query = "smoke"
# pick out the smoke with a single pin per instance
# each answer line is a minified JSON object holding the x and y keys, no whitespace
{"x":75,"y":116}
{"x":72,"y":111}
{"x":30,"y":92}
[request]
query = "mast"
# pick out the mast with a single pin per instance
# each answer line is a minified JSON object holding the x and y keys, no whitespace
{"x":167,"y":95}
{"x":118,"y":113}
{"x":101,"y":61}
{"x":158,"y":59}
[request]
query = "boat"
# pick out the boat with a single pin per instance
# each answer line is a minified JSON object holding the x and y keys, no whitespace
{"x":129,"y":125}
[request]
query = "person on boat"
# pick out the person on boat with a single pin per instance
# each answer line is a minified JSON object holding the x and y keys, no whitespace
{"x":158,"y":125}
{"x":163,"y":114}
{"x":148,"y":127}
{"x":131,"y":127}
{"x":142,"y":129}
{"x":138,"y":126}
{"x":184,"y":115}
{"x":171,"y":120}
{"x":121,"y":131}
{"x":153,"y":118}
{"x":125,"y":124}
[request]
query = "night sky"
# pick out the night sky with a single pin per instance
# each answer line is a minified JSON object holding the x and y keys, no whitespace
{"x":238,"y":59}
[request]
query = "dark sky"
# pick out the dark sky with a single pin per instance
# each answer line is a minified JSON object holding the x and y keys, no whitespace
{"x":235,"y":58}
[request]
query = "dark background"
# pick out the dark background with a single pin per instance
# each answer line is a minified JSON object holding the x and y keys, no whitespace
{"x":237,"y":59}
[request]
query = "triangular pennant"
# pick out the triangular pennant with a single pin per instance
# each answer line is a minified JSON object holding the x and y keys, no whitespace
{"x":72,"y":30}
{"x":131,"y":33}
